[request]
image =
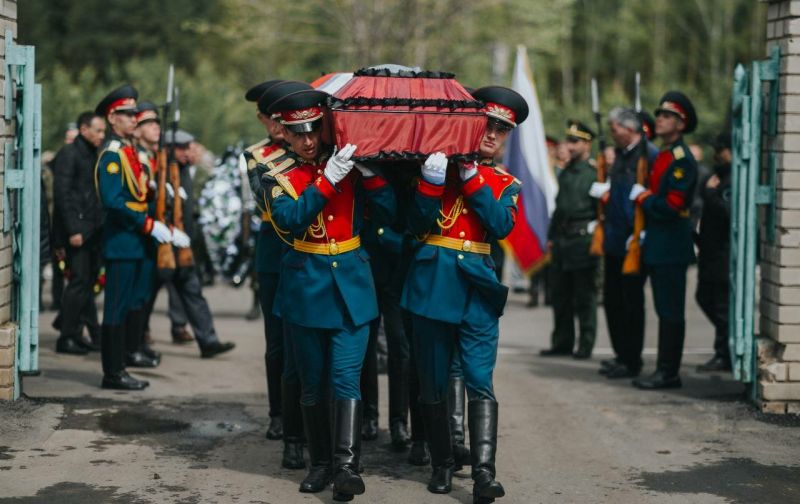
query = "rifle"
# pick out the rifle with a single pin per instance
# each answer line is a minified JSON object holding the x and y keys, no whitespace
{"x":185,"y":256}
{"x":598,"y":236}
{"x":632,"y":264}
{"x":165,"y":259}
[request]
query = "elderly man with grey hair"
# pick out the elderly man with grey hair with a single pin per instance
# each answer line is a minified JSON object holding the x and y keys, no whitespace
{"x":623,"y":295}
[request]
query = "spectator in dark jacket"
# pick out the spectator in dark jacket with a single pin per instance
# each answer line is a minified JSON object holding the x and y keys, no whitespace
{"x":713,"y":243}
{"x":80,"y":218}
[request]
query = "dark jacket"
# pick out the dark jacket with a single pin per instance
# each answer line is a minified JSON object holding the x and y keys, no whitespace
{"x":77,"y":207}
{"x":713,"y":242}
{"x":620,"y":209}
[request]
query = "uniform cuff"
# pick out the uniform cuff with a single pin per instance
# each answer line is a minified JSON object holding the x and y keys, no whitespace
{"x":375,"y":182}
{"x":640,"y":199}
{"x":431,"y":190}
{"x":148,"y":225}
{"x":325,"y":187}
{"x":473,"y":184}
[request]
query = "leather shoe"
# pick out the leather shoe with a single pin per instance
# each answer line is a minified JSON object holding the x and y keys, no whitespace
{"x":123,"y":381}
{"x":293,"y":456}
{"x":716,"y":363}
{"x":657,"y":381}
{"x":316,"y":480}
{"x":582,"y":354}
{"x":418,"y":454}
{"x":140,"y":360}
{"x":180,"y":336}
{"x":67,"y":345}
{"x":216,"y":348}
{"x":400,"y":437}
{"x":275,"y":430}
{"x":553,"y":352}
{"x":369,"y":431}
{"x":621,"y":371}
{"x":87,"y":343}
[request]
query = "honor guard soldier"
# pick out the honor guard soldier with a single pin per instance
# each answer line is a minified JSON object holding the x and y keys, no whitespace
{"x":455,"y":298}
{"x":283,"y":385}
{"x":668,"y":248}
{"x":123,"y":185}
{"x":326,"y":292}
{"x":569,"y":238}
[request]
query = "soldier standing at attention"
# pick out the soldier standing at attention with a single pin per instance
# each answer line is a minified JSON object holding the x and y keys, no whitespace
{"x":668,"y":249}
{"x":122,"y":184}
{"x":456,"y":210}
{"x":326,"y":292}
{"x":569,"y":239}
{"x":283,"y":384}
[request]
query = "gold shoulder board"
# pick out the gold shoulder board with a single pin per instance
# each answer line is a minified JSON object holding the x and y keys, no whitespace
{"x":678,"y":152}
{"x":258,"y":145}
{"x":274,"y":169}
{"x":284,"y":182}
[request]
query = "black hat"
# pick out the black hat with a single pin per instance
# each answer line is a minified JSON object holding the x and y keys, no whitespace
{"x":182,"y":137}
{"x":146,"y":111}
{"x":300,"y":111}
{"x":576,"y":130}
{"x":503,"y":104}
{"x":680,"y":105}
{"x":255,"y":92}
{"x":121,"y":99}
{"x":278,"y":91}
{"x":648,"y":124}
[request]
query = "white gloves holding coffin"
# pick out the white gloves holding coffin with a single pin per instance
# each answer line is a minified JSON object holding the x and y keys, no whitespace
{"x":435,"y":168}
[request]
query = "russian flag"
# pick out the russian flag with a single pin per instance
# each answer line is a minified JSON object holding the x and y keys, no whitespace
{"x":526,"y":158}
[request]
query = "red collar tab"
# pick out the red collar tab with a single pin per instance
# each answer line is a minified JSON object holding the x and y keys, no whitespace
{"x":501,"y":112}
{"x":301,"y":116}
{"x":675,"y":108}
{"x":146,"y":115}
{"x":121,"y":104}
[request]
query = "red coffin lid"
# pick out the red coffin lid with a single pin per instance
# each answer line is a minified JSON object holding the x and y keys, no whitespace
{"x":407,"y":116}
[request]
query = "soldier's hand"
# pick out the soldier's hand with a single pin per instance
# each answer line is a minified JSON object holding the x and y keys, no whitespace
{"x":467,"y":170}
{"x":435,"y":168}
{"x":636,"y":191}
{"x":161,"y":232}
{"x":181,"y":239}
{"x":591,"y":226}
{"x":76,"y":240}
{"x":713,"y":182}
{"x":340,"y":164}
{"x":598,"y":189}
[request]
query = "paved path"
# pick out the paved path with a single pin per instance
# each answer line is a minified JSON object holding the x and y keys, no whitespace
{"x":567,"y":434}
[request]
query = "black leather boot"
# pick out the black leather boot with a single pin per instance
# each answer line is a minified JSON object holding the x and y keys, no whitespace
{"x":437,"y":427}
{"x":483,"y":443}
{"x":670,"y":351}
{"x":398,"y":403}
{"x":292,"y":427}
{"x":347,"y":450}
{"x":111,"y":354}
{"x":134,"y":339}
{"x":318,"y":436}
{"x":455,"y":403}
{"x":418,"y":454}
{"x":274,"y":366}
{"x":369,"y":387}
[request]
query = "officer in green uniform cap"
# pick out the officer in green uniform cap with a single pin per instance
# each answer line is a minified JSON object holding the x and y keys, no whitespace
{"x":569,"y":239}
{"x":667,"y":248}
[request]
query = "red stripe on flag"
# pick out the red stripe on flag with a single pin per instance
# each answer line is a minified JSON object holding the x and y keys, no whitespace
{"x":523,"y":243}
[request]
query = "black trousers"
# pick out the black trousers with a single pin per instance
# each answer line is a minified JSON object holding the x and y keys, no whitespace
{"x":190,"y":292}
{"x":623,"y":301}
{"x":713,"y":300}
{"x":77,"y":300}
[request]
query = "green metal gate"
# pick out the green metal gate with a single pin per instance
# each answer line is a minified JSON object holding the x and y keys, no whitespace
{"x":22,"y":200}
{"x":755,"y":119}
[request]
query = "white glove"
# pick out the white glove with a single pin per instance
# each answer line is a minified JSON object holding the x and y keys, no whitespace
{"x":182,"y":193}
{"x":591,"y":226}
{"x":435,"y":168}
{"x":161,"y":232}
{"x":170,"y":190}
{"x":180,"y":239}
{"x":152,"y":185}
{"x":642,"y":234}
{"x":467,"y":170}
{"x":339,"y":165}
{"x":365,"y":172}
{"x":636,"y":190}
{"x":598,"y":189}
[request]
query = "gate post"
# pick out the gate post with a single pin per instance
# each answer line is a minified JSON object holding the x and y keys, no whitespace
{"x":779,"y":306}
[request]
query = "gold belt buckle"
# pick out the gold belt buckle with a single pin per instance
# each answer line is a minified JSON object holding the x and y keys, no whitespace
{"x":333,"y":248}
{"x":466,"y":246}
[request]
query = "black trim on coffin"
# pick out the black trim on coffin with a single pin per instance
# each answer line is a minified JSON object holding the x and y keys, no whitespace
{"x":409,"y":74}
{"x":413,"y":156}
{"x":361,"y":101}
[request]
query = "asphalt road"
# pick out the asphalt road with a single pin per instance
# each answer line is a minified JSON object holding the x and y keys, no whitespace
{"x":567,"y":435}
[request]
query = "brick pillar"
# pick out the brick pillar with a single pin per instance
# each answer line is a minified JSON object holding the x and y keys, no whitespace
{"x":8,"y":350}
{"x":779,"y":307}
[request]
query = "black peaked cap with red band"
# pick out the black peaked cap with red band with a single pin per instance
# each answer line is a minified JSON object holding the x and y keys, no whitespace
{"x":300,"y":109}
{"x":679,"y":104}
{"x":255,"y":92}
{"x":146,"y":111}
{"x":122,"y":98}
{"x":503,"y":104}
{"x":278,"y":91}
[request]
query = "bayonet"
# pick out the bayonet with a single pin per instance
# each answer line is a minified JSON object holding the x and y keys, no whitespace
{"x":637,"y":104}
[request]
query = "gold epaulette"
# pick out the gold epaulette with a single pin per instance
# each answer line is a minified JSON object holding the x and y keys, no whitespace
{"x":114,"y":146}
{"x":678,"y":152}
{"x":258,"y":145}
{"x":500,"y":170}
{"x":287,"y":186}
{"x":280,"y":167}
